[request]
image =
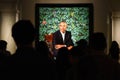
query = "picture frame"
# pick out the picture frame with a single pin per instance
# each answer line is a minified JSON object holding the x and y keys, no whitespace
{"x":79,"y":18}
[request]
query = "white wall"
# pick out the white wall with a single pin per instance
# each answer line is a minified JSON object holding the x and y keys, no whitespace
{"x":7,"y":19}
{"x":116,"y":26}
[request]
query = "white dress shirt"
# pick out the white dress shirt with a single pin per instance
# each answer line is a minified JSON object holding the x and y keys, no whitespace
{"x":63,"y":36}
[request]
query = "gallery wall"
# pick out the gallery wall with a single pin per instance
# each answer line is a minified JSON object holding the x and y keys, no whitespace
{"x":7,"y":19}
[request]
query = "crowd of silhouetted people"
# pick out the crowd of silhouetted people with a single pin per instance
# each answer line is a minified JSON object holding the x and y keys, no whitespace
{"x":86,"y":61}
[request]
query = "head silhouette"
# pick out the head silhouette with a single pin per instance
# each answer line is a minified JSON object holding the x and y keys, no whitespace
{"x":3,"y":44}
{"x":98,"y":41}
{"x":23,"y":32}
{"x":82,"y":43}
{"x":114,"y":44}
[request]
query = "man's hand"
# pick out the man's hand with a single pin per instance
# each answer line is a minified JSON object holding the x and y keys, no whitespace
{"x":58,"y":46}
{"x":70,"y":47}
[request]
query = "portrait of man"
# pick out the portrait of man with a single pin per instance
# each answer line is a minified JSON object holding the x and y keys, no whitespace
{"x":62,"y":38}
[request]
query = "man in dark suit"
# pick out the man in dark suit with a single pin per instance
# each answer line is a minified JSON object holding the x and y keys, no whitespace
{"x":62,"y":38}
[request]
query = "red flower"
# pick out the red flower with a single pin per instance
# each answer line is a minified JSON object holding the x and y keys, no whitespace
{"x":44,"y":22}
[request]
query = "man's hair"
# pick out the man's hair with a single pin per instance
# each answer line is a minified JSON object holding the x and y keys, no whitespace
{"x":23,"y":32}
{"x":98,"y":41}
{"x":63,"y":22}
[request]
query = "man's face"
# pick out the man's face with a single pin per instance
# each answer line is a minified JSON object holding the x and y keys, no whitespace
{"x":63,"y":27}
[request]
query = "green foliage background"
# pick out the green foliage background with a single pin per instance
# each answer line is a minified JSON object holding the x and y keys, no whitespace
{"x":77,"y":19}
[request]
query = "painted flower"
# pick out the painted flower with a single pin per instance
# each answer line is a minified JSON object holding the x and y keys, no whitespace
{"x":44,"y":22}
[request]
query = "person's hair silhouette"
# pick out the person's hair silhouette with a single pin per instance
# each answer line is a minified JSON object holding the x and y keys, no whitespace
{"x":114,"y":50}
{"x":23,"y":32}
{"x":3,"y":48}
{"x":98,"y":41}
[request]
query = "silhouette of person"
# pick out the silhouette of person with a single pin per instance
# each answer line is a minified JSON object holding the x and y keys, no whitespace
{"x":62,"y":38}
{"x":4,"y":54}
{"x":96,"y":65}
{"x":3,"y":48}
{"x":62,"y":63}
{"x":43,"y":50}
{"x":25,"y":61}
{"x":82,"y":45}
{"x":46,"y":59}
{"x":114,"y":50}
